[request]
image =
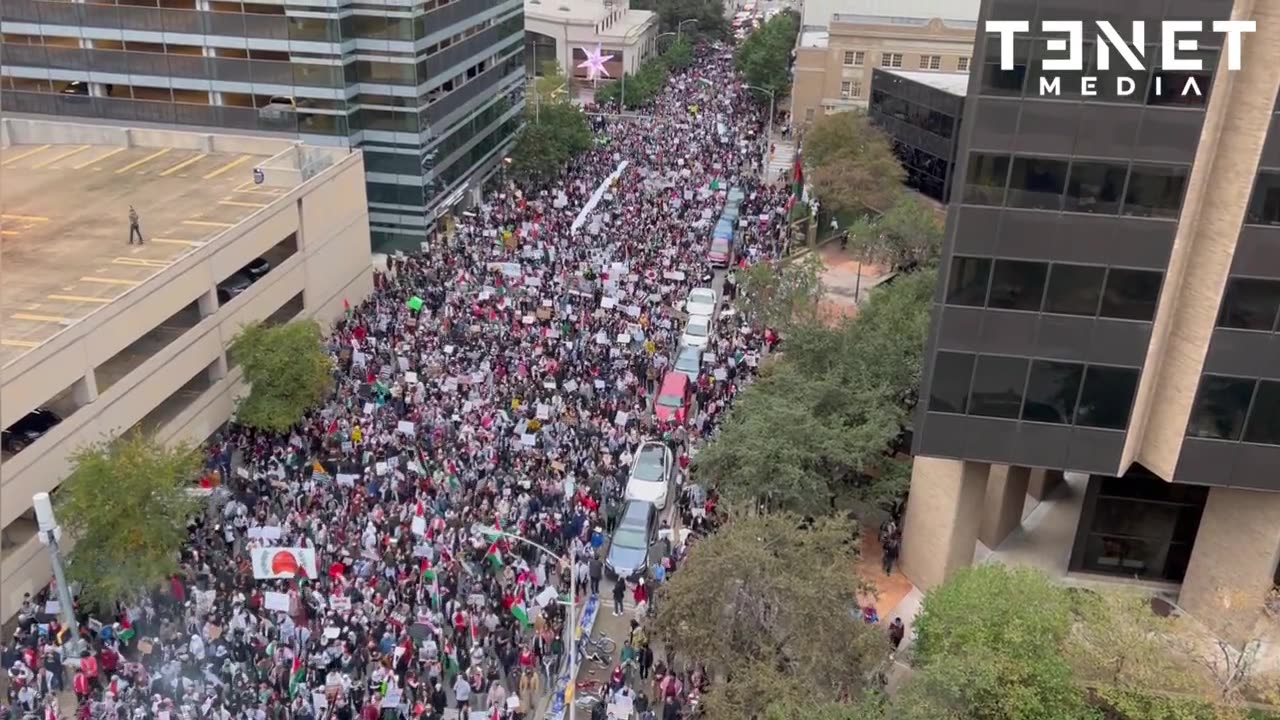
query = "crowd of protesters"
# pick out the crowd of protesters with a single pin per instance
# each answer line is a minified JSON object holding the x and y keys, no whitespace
{"x":497,"y":380}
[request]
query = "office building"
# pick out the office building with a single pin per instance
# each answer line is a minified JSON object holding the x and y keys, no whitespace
{"x":432,"y":91}
{"x":100,"y":337}
{"x":1107,"y":305}
{"x":842,"y":41}
{"x":920,"y":112}
{"x":562,"y":30}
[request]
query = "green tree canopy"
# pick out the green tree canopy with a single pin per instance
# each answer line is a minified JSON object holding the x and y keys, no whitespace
{"x":126,"y":504}
{"x":768,"y":600}
{"x":288,"y":369}
{"x":780,"y":297}
{"x":906,"y":235}
{"x":639,"y":87}
{"x":851,"y":163}
{"x":764,"y":58}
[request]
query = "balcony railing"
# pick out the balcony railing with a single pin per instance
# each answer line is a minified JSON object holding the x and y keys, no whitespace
{"x":128,"y":110}
{"x":195,"y":22}
{"x":276,"y":72}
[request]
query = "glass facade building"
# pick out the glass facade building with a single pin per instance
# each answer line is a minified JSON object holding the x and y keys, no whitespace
{"x":921,"y":114}
{"x":430,"y":91}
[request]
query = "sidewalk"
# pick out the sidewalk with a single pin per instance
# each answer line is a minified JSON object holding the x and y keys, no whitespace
{"x":846,"y":281}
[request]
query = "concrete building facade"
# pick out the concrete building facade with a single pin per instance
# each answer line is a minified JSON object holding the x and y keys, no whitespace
{"x":134,"y":336}
{"x":560,"y":30}
{"x":841,"y":43}
{"x":432,"y":91}
{"x":1107,"y":305}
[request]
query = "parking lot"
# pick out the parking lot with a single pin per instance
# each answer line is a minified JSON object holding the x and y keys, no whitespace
{"x":64,"y":225}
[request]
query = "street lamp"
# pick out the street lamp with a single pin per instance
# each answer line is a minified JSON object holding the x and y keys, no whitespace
{"x":768,"y":139}
{"x":680,"y":26}
{"x":570,"y":620}
{"x":50,"y":534}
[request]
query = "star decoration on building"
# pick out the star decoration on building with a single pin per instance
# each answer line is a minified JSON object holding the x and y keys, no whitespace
{"x":594,"y":64}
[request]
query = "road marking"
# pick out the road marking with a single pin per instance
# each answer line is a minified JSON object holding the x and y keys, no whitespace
{"x":238,"y":161}
{"x":208,"y":223}
{"x":142,"y":262}
{"x":146,"y":159}
{"x":184,"y":163}
{"x":81,"y":298}
{"x":56,"y":158}
{"x":109,"y":281}
{"x":29,"y":153}
{"x":26,"y":218}
{"x":18,"y":343}
{"x":175,"y":241}
{"x":39,"y":318}
{"x":7,"y":233}
{"x":104,"y":156}
{"x":238,"y":203}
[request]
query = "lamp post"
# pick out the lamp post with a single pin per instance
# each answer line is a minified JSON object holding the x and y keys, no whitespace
{"x":768,"y":133}
{"x":50,"y":534}
{"x":570,"y":620}
{"x":680,"y":26}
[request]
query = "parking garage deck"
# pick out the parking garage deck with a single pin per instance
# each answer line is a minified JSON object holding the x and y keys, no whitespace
{"x":64,"y":224}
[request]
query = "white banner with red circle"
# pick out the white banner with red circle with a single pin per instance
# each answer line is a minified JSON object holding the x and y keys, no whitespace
{"x":275,"y":562}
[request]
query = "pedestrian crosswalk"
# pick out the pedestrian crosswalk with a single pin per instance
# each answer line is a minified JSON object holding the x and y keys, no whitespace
{"x":781,"y":162}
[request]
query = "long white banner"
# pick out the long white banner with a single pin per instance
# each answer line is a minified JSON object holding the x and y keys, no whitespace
{"x":275,"y":562}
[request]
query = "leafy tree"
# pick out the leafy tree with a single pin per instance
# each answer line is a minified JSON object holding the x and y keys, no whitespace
{"x":552,"y":84}
{"x":709,"y":14}
{"x":679,"y":55}
{"x":780,"y":298}
{"x":851,"y":163}
{"x":764,"y":59}
{"x":126,"y":505}
{"x":767,"y":601}
{"x":288,"y":369}
{"x":554,"y":133}
{"x":639,"y":87}
{"x":906,"y":235}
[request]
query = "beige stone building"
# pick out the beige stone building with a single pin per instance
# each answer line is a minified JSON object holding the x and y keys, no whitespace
{"x":841,"y":41}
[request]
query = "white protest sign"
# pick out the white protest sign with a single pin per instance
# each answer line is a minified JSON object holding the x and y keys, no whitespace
{"x":276,"y":601}
{"x":419,"y":525}
{"x":347,"y":479}
{"x":406,"y":427}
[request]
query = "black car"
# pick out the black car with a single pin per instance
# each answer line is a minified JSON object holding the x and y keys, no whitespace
{"x":233,"y":286}
{"x":29,"y":429}
{"x":257,"y":268}
{"x":637,"y":530}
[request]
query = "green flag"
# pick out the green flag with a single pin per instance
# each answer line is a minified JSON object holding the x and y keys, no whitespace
{"x":414,"y":303}
{"x":494,"y":556}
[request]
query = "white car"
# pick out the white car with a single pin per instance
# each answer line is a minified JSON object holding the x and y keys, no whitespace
{"x":697,"y":332}
{"x":652,"y":472}
{"x":702,"y":301}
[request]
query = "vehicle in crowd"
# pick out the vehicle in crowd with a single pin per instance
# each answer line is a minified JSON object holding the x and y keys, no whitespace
{"x":689,"y":362}
{"x":697,"y":332}
{"x":29,"y":428}
{"x":652,"y":474}
{"x":720,"y":254}
{"x":235,"y":284}
{"x":731,"y":213}
{"x":701,"y":301}
{"x":734,"y":198}
{"x":635,"y":533}
{"x":675,"y":395}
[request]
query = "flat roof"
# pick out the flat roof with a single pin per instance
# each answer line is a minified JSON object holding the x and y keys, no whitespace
{"x":814,"y":38}
{"x":582,"y":12}
{"x":956,"y":83}
{"x":64,"y":225}
{"x":820,"y":12}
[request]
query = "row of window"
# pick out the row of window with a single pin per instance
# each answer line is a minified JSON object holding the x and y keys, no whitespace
{"x":850,"y":89}
{"x":1074,"y":185}
{"x":914,"y":113}
{"x":1045,"y":391}
{"x":857,"y":58}
{"x":1264,"y":205}
{"x":1250,"y":304}
{"x":1058,"y":288}
{"x":1232,"y":408}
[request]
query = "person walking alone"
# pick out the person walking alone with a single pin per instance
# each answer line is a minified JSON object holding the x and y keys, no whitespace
{"x":133,"y":226}
{"x":619,"y":593}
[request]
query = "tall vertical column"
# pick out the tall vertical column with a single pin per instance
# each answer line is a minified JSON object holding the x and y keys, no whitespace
{"x":1044,"y":483}
{"x":944,"y":513}
{"x":85,"y":389}
{"x":1233,"y":562}
{"x":1005,"y":499}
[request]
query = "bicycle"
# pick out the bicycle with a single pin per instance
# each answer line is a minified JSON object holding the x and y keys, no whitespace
{"x":601,"y":643}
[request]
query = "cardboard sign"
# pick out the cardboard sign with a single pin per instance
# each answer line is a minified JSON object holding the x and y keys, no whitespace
{"x":406,"y":427}
{"x":275,"y":601}
{"x":276,"y":563}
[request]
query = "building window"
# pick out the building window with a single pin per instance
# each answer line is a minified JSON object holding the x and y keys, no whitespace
{"x":854,"y":58}
{"x":1155,"y":190}
{"x":949,"y":387}
{"x":1221,"y":407}
{"x":962,"y":64}
{"x":1037,"y":183}
{"x":997,"y":386}
{"x":1250,"y":304}
{"x":1017,"y":285}
{"x":1264,"y":416}
{"x":1131,"y":294}
{"x":1095,"y":187}
{"x":891,"y":60}
{"x":809,"y":113}
{"x":1074,"y":289}
{"x":1107,"y":397}
{"x":1264,"y":206}
{"x":969,"y":277}
{"x":846,"y":89}
{"x":985,"y":181}
{"x":930,"y":62}
{"x":1052,"y":388}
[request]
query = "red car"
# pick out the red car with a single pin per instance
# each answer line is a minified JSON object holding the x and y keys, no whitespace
{"x":674,"y":398}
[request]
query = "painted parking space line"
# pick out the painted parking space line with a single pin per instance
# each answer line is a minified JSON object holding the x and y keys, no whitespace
{"x":142,"y":262}
{"x":234,"y":163}
{"x":7,"y":233}
{"x":60,"y":156}
{"x":208,"y":223}
{"x":185,"y":163}
{"x":18,"y":343}
{"x":25,"y":218}
{"x":175,"y":241}
{"x":40,"y":318}
{"x":101,"y":157}
{"x":239,"y":203}
{"x":9,"y":161}
{"x":80,"y":299}
{"x":145,"y":160}
{"x":109,"y":281}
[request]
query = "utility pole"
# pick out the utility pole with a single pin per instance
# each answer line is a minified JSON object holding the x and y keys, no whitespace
{"x":50,"y":534}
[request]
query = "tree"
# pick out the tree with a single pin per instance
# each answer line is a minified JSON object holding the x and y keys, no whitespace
{"x":851,"y":163}
{"x":768,"y":601}
{"x":764,"y":58}
{"x":906,"y":235}
{"x":126,"y":505}
{"x":781,"y":298}
{"x":678,"y":55}
{"x":639,"y":87}
{"x":709,"y":14}
{"x":288,"y":369}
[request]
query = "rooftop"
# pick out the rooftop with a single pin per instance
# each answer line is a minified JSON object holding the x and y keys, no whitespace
{"x":818,"y":13}
{"x":814,"y":38}
{"x":64,"y":214}
{"x":594,"y":12}
{"x":956,"y":83}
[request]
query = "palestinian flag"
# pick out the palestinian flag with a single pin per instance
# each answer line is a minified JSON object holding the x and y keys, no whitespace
{"x":520,"y":611}
{"x":494,"y":556}
{"x":346,"y":307}
{"x":297,"y":674}
{"x":450,"y":659}
{"x":126,"y":635}
{"x":797,"y":178}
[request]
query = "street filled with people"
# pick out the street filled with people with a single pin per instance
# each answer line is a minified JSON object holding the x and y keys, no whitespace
{"x":409,"y":548}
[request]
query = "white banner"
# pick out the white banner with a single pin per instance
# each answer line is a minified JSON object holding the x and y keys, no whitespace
{"x":273,"y":563}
